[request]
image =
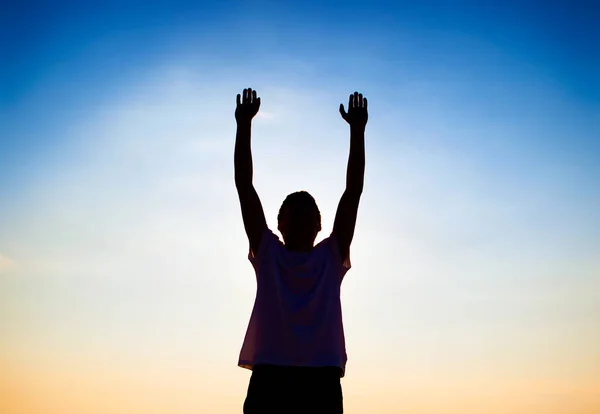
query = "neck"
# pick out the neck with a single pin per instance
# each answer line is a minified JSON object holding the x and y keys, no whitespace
{"x":298,"y":247}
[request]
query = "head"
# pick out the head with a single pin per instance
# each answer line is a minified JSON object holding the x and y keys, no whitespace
{"x":299,"y":220}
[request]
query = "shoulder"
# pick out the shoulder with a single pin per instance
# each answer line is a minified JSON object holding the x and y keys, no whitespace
{"x":268,"y":242}
{"x":330,"y":245}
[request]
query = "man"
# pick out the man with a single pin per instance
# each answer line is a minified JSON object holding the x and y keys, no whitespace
{"x":295,"y":343}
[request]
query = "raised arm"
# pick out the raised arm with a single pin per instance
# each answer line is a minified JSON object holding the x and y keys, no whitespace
{"x":345,"y":218}
{"x":252,"y":212}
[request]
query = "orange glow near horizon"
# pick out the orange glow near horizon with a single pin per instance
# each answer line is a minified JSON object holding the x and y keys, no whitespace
{"x":82,"y":384}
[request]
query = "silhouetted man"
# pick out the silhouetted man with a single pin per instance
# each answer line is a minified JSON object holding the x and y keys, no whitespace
{"x":295,"y":343}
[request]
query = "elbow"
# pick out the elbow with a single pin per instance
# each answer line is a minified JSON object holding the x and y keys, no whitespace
{"x":243,"y":184}
{"x":354,"y":186}
{"x":242,"y":179}
{"x":354,"y":191}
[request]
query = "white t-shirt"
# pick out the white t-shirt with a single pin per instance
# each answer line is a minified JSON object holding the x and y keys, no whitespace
{"x":297,"y":314}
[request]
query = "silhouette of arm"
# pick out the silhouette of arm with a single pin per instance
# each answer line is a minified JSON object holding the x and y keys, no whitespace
{"x":345,"y":218}
{"x":252,"y":211}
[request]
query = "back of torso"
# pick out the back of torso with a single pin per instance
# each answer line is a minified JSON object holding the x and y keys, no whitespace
{"x":297,"y":319}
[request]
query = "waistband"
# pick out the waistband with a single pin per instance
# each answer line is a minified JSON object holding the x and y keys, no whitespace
{"x":288,"y":370}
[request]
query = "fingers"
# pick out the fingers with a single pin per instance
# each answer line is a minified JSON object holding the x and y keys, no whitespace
{"x":356,"y":100}
{"x":238,"y":99}
{"x":248,"y":96}
{"x":256,"y":101}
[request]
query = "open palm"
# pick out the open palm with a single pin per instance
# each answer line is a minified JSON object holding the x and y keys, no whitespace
{"x":247,"y":105}
{"x":357,"y":114}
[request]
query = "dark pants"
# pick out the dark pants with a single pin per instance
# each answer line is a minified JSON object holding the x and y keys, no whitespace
{"x":294,"y":390}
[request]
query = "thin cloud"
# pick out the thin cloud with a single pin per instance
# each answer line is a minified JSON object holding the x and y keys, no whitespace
{"x":265,"y":115}
{"x":6,"y":264}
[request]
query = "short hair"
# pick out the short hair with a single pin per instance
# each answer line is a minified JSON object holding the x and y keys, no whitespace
{"x":299,"y":198}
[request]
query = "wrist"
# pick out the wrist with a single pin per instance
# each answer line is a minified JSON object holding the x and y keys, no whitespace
{"x":244,"y":123}
{"x":358,"y":128}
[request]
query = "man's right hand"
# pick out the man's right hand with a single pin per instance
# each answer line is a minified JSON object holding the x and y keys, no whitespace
{"x":357,"y":114}
{"x":247,"y":106}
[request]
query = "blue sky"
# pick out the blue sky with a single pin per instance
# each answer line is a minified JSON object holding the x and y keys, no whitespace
{"x":478,"y":232}
{"x":518,"y":59}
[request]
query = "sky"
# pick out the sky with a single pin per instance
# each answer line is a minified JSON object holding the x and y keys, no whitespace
{"x":475,"y":280}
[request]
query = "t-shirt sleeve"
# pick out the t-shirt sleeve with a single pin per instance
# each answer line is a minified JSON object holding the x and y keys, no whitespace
{"x":343,"y":262}
{"x":267,"y":240}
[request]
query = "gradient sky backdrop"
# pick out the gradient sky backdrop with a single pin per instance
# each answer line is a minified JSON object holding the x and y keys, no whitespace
{"x":124,"y":283}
